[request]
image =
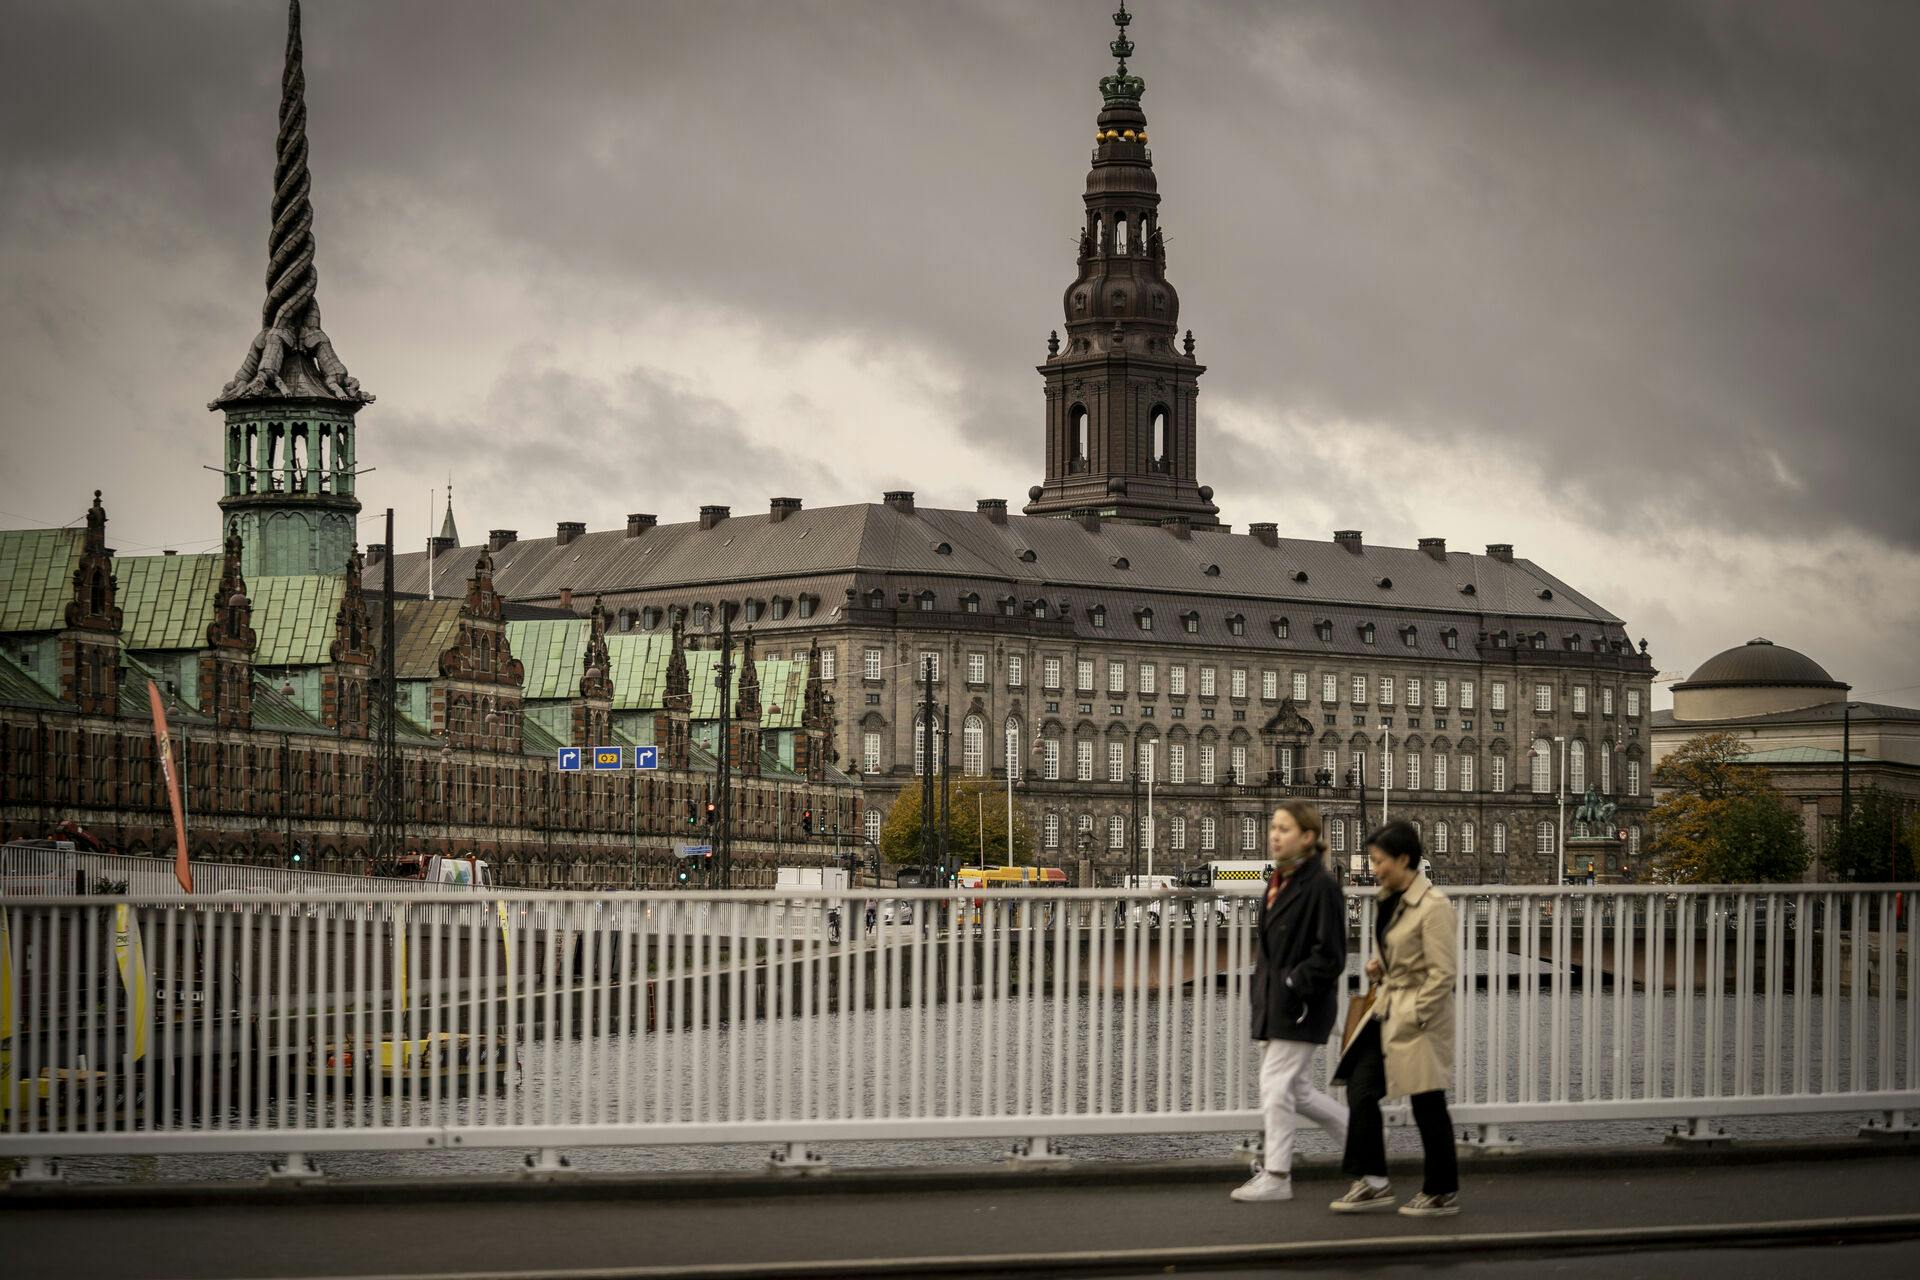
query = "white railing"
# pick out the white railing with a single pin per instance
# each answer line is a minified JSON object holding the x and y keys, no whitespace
{"x":152,"y":877}
{"x":449,"y":1020}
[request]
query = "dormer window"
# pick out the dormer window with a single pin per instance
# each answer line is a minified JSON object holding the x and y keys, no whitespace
{"x":808,"y":604}
{"x":1385,"y":584}
{"x":1237,"y":624}
{"x":1099,"y":615}
{"x":943,"y":548}
{"x":1539,"y":639}
{"x":1039,"y":608}
{"x":1410,"y":636}
{"x":924,"y":601}
{"x":780,"y":607}
{"x":1323,"y":629}
{"x":876,"y":599}
{"x":970,"y":602}
{"x":1450,"y":638}
{"x":1145,"y":618}
{"x":1212,"y":571}
{"x":1120,"y":562}
{"x":1468,"y":589}
{"x":1028,"y":555}
{"x":753,"y":610}
{"x":1280,"y":628}
{"x":1190,"y":623}
{"x":1299,"y":575}
{"x":1546,"y":593}
{"x":650,"y":617}
{"x":1366,"y":633}
{"x":1007,"y":606}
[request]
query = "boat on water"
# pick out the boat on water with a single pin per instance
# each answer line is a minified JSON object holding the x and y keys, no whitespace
{"x":448,"y":1055}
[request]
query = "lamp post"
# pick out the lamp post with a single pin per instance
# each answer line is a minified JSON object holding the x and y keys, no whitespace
{"x":1560,"y":828}
{"x":1153,"y":761}
{"x":1386,"y":773}
{"x":1010,"y":751}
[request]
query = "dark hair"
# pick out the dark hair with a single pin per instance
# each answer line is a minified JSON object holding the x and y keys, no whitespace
{"x":1398,"y":839}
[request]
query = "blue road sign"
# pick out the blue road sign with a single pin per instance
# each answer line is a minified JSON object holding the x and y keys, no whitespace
{"x":696,"y":851}
{"x":646,"y":757}
{"x":608,"y":757}
{"x":569,"y":759}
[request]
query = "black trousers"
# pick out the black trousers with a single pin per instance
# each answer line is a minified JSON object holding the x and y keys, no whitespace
{"x":1367,"y":1135}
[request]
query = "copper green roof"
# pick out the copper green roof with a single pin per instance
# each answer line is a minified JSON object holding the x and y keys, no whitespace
{"x":136,"y":705}
{"x":18,"y":688}
{"x":36,"y":577}
{"x":294,"y":618}
{"x":273,"y":710}
{"x":536,"y":737}
{"x":553,"y":653}
{"x":782,"y":684}
{"x":427,"y":629}
{"x":166,"y":602}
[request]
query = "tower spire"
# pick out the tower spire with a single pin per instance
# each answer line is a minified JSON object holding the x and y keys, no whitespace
{"x":1121,"y":87}
{"x":292,"y":355}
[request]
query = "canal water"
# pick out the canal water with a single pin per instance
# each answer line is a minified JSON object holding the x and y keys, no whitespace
{"x":876,"y":1071}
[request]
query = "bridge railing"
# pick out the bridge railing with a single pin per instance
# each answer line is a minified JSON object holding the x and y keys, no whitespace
{"x":302,"y":1024}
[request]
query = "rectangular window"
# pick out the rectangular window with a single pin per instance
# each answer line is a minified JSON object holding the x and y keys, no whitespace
{"x":870,"y":753}
{"x":1633,"y":702}
{"x":1330,"y":761}
{"x":1439,"y":772}
{"x":1116,"y":832}
{"x":1177,"y":681}
{"x":1149,"y":678}
{"x":1083,"y":760}
{"x":1497,"y":771}
{"x":1579,"y":699}
{"x":1439,"y":695}
{"x":1143,"y":760}
{"x":1016,"y":671}
{"x":1606,"y":770}
{"x":1286,"y":765}
{"x":1386,"y":691}
{"x":1269,"y":685}
{"x":828,"y":663}
{"x":1116,"y":762}
{"x":1466,"y":773}
{"x":1499,"y":835}
{"x":1249,"y":832}
{"x":1207,"y":688}
{"x":1414,"y":691}
{"x":1050,"y":759}
{"x":1360,"y":767}
{"x":1466,"y":695}
{"x":1083,"y":675}
{"x":1496,"y":696}
{"x":929,"y":661}
{"x":1206,"y":835}
{"x":976,"y":668}
{"x":871,"y":822}
{"x":1359,"y":691}
{"x":1633,"y":777}
{"x":1329,"y":689}
{"x":1543,"y":697}
{"x":1177,"y":763}
{"x":1237,"y":683}
{"x":870,"y":667}
{"x":1206,"y":764}
{"x":1116,"y":677}
{"x":1299,"y":686}
{"x":1053,"y":831}
{"x":1606,"y":702}
{"x":1413,"y":770}
{"x":1178,"y":832}
{"x":1050,"y":673}
{"x":1238,"y":757}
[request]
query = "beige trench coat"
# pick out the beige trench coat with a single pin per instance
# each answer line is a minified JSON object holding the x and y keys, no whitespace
{"x":1421,"y":954}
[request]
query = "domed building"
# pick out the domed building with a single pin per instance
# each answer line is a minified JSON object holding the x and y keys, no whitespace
{"x":1799,"y":724}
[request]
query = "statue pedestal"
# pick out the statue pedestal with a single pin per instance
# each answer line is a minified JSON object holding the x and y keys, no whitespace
{"x":1601,"y":857}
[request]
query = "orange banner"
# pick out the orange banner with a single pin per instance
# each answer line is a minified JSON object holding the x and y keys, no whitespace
{"x":182,"y":869}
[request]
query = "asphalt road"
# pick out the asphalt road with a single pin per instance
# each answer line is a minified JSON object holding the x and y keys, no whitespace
{"x":528,"y":1237}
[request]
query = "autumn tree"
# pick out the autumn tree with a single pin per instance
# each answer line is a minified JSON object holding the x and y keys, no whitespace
{"x":971,"y":802}
{"x":1722,"y":821}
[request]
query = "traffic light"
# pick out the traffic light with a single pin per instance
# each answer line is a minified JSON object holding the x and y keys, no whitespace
{"x":693,"y":814}
{"x":713,"y":812}
{"x":683,"y":875}
{"x":806,"y":821}
{"x":296,"y":857}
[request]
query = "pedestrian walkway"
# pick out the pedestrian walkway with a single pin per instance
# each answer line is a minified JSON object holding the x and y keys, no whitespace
{"x":1116,"y":1220}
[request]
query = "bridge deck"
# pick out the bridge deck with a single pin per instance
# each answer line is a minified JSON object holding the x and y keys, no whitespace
{"x":827,"y":1222}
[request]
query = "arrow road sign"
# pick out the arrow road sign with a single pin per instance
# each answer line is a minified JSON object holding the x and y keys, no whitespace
{"x":608,"y":757}
{"x":646,"y":757}
{"x":569,"y":759}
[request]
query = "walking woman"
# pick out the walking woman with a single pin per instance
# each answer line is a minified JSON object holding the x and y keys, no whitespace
{"x":1406,"y":1047}
{"x":1296,"y":976}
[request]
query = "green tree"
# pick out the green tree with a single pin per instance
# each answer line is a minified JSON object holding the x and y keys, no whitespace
{"x":1876,"y":843}
{"x":1722,"y":821}
{"x":970,"y":800}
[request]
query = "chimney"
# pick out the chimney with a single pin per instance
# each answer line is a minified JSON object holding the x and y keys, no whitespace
{"x":567,"y":530}
{"x":443,"y":545}
{"x":169,"y":552}
{"x":566,"y":597}
{"x":712,"y":515}
{"x":1268,"y":535}
{"x":994,"y":509}
{"x":640,"y":522}
{"x":1179,"y":526}
{"x":900,"y":500}
{"x":376,"y":552}
{"x":1089,"y":518}
{"x":1501,"y":551}
{"x":1350,"y":539}
{"x":501,"y":539}
{"x":780,"y":508}
{"x":1435,"y":547}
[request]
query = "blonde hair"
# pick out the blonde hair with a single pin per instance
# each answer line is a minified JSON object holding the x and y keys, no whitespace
{"x":1306,"y":816}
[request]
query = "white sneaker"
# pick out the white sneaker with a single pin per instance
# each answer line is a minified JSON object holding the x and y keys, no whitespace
{"x":1265,"y":1186}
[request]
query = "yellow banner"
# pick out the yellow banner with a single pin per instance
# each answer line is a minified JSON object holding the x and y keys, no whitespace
{"x":131,"y":956}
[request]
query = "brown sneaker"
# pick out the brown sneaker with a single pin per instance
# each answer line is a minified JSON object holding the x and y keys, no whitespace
{"x":1361,"y":1198}
{"x":1426,"y":1206}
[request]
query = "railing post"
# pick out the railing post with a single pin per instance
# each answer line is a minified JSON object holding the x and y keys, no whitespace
{"x":547,"y":1162}
{"x":1697,"y":1131}
{"x":1897,"y":1127}
{"x":38,"y":1169}
{"x":293,"y":1167}
{"x":1035,"y":1151}
{"x":798,"y":1157}
{"x":1488,"y":1139}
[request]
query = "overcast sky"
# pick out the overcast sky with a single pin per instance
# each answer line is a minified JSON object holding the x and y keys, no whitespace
{"x":1631,"y":286}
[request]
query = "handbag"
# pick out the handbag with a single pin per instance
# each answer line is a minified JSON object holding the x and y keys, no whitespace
{"x":1359,"y":1011}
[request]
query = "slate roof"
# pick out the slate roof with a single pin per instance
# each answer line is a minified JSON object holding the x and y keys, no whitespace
{"x":830,"y":544}
{"x":36,"y":569}
{"x":166,"y":602}
{"x":1824,"y":713}
{"x":293,"y":616}
{"x":1794,"y":755}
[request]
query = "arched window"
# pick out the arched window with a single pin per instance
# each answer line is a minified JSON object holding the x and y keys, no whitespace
{"x":1120,"y":233}
{"x":1159,"y":439}
{"x":1633,"y":841}
{"x":1577,"y":766}
{"x":1606,"y":768}
{"x":1466,"y":837}
{"x":1077,"y":453}
{"x":1441,"y":837}
{"x":1013,"y":762}
{"x":1337,"y":834}
{"x":1499,"y":839}
{"x":1543,"y":839}
{"x":1542,"y":775}
{"x":919,"y":744}
{"x":973,"y":747}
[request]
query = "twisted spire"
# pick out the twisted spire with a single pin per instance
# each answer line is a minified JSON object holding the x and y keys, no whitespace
{"x":292,"y":354}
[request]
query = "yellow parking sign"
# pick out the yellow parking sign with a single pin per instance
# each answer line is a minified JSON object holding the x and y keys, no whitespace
{"x":608,"y":757}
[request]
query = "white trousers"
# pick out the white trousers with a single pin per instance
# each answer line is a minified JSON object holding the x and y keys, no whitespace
{"x":1286,"y":1093}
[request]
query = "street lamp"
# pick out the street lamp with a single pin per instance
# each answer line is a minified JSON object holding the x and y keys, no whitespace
{"x":1153,"y":761}
{"x":1560,"y":828}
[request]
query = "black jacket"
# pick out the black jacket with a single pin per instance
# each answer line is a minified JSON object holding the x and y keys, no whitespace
{"x":1303,"y":951}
